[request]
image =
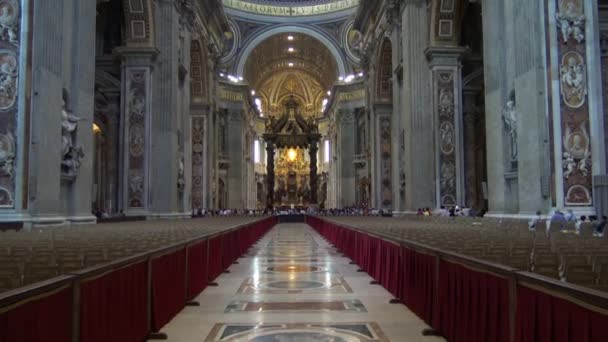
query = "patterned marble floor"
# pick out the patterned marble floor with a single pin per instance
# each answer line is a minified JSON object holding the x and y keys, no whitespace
{"x":294,"y":287}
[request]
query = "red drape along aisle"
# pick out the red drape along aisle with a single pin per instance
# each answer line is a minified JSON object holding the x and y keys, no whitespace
{"x":417,"y":282}
{"x":542,"y":317}
{"x":45,"y":318}
{"x":113,"y":307}
{"x":168,"y":287}
{"x":215,"y":257}
{"x":198,"y":276}
{"x":389,"y":265}
{"x":473,"y":306}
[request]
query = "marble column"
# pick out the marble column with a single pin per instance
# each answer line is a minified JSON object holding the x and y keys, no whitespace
{"x":198,"y":136}
{"x":135,"y":129}
{"x":419,"y":161}
{"x":314,"y":179}
{"x":447,"y":94}
{"x":497,"y":84}
{"x":112,"y":153}
{"x":471,"y":178}
{"x":269,"y":173}
{"x":165,"y":118}
{"x":578,"y":133}
{"x":346,"y":171}
{"x":15,"y":119}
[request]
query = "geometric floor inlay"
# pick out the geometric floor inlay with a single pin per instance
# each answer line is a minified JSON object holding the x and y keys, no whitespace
{"x":353,"y":305}
{"x":297,"y":332}
{"x":322,"y":283}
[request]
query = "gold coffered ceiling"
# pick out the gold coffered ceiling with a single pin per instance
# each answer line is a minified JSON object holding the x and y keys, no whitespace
{"x":307,"y":71}
{"x":309,"y":56}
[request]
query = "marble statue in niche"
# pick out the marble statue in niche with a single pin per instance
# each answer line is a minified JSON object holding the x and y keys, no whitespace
{"x":71,"y":151}
{"x":181,"y":178}
{"x":7,"y":154}
{"x":509,"y":118}
{"x":9,"y":21}
{"x":571,"y":21}
{"x":573,"y":79}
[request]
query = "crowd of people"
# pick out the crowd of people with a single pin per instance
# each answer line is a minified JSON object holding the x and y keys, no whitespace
{"x":562,"y":219}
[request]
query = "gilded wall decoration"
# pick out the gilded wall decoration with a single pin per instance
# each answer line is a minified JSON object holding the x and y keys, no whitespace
{"x":198,"y":150}
{"x":385,"y":162}
{"x":576,"y":161}
{"x":445,"y":16}
{"x":444,"y":81}
{"x":137,"y":90}
{"x":10,"y":27}
{"x":198,"y":71}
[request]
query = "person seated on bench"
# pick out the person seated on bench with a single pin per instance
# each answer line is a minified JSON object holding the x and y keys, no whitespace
{"x":534,"y":221}
{"x":579,"y":223}
{"x":599,"y":228}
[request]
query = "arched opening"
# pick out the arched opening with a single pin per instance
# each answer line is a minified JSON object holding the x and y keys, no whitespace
{"x":292,"y":85}
{"x":110,"y":26}
{"x":473,"y":92}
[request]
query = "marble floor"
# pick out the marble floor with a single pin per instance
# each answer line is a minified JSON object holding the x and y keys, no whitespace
{"x":294,"y":287}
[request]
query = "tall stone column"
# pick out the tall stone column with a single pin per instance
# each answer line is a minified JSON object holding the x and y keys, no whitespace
{"x":166,"y":115}
{"x":15,"y":116}
{"x":578,"y":133}
{"x":346,"y":171}
{"x":112,"y":157}
{"x":418,"y":163}
{"x":447,"y":94}
{"x":269,"y":173}
{"x":314,"y":179}
{"x":199,"y":146}
{"x":471,"y":178}
{"x":135,"y":129}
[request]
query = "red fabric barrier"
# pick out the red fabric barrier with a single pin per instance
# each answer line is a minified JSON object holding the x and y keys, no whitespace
{"x":417,"y":283}
{"x":227,"y":250}
{"x":390,"y":267}
{"x":198,"y":274}
{"x":215,"y":258}
{"x":44,"y":319}
{"x":472,"y":306}
{"x":114,"y":306}
{"x":545,"y":318}
{"x":168,"y":287}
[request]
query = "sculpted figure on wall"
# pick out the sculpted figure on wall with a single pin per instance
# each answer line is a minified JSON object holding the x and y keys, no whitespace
{"x":571,"y":22}
{"x":573,"y":78}
{"x":509,"y":117}
{"x":71,"y":152}
{"x":9,"y":21}
{"x":577,"y":155}
{"x":7,"y":154}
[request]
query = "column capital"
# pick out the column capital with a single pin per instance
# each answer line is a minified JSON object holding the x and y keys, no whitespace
{"x":136,"y":56}
{"x":445,"y":55}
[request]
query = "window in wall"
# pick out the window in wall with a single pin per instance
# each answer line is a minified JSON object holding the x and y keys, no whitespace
{"x":324,"y":105}
{"x":256,"y":151}
{"x":258,"y":104}
{"x":326,"y":150}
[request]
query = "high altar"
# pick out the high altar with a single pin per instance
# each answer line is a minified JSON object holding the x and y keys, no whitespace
{"x":292,"y":176}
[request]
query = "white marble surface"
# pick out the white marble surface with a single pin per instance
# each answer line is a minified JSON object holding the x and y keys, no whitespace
{"x":395,"y":320}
